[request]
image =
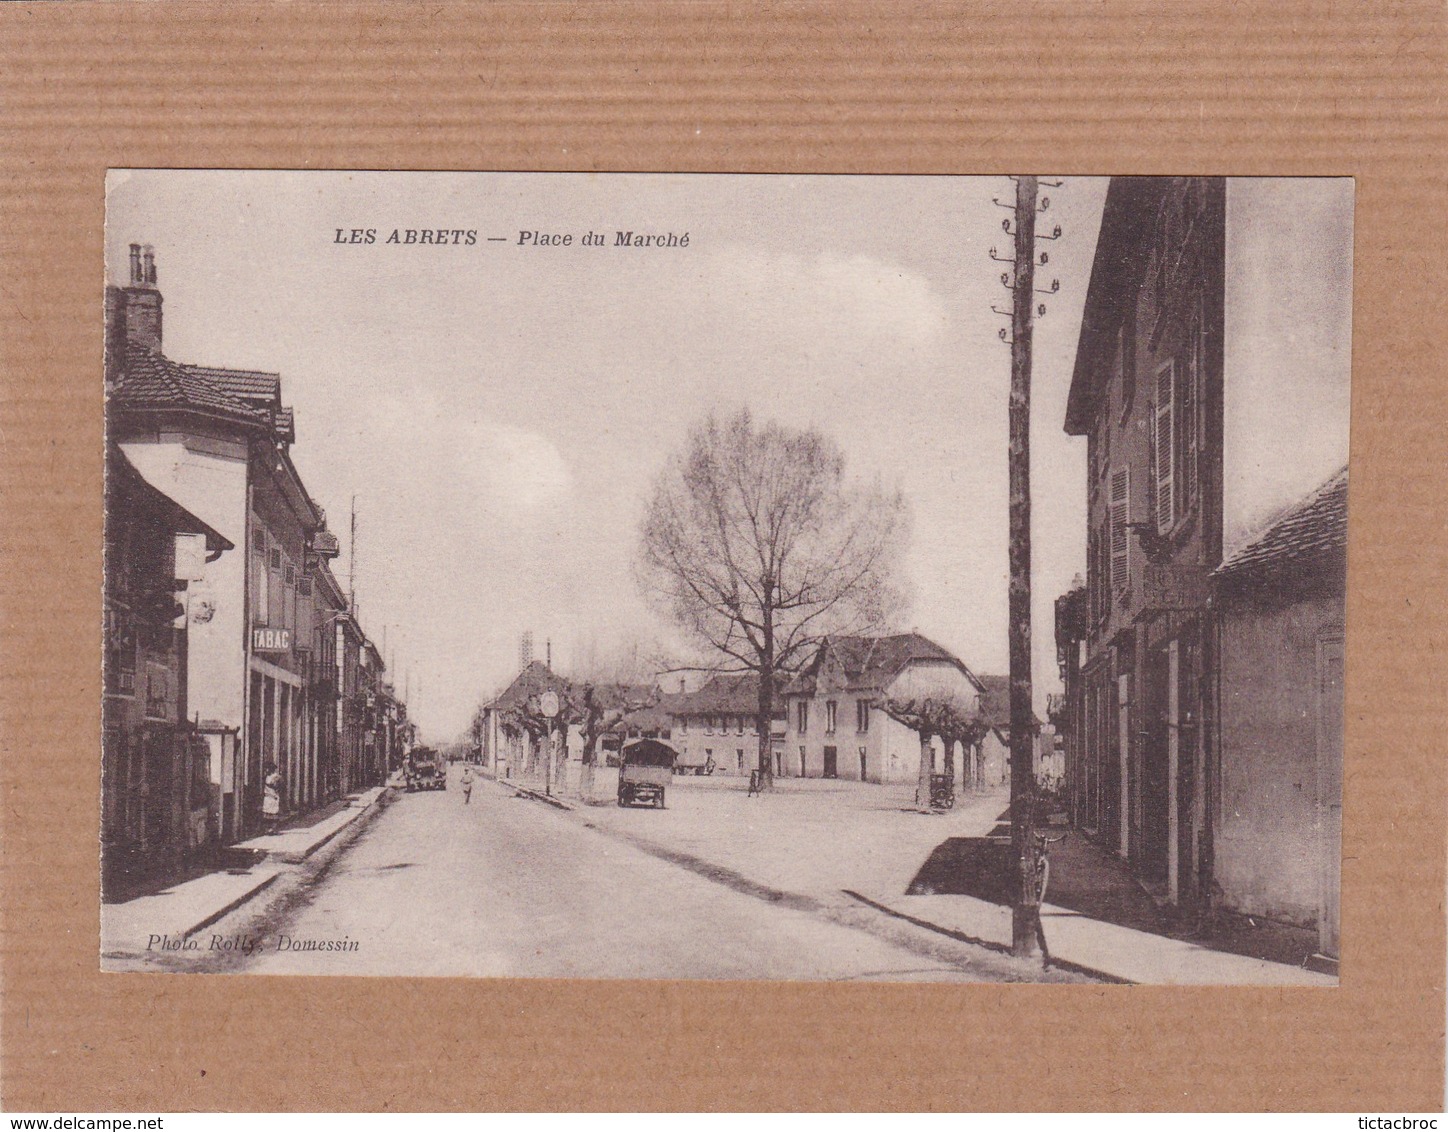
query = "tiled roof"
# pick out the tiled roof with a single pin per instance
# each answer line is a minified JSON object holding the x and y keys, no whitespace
{"x":1311,"y":533}
{"x":872,"y":663}
{"x":248,"y":384}
{"x":722,"y":695}
{"x":150,"y":380}
{"x":534,"y":680}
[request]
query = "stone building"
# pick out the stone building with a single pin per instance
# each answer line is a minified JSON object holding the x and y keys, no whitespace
{"x":836,"y":726}
{"x":262,"y":658}
{"x":1214,"y":311}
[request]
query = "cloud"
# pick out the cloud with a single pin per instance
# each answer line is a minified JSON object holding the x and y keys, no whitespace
{"x":524,"y":471}
{"x":827,"y":299}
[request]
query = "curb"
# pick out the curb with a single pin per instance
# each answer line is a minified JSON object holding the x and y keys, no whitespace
{"x":212,"y":916}
{"x":536,"y":795}
{"x":987,"y":944}
{"x":357,"y":812}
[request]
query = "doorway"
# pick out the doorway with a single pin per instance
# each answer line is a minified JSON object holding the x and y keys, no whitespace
{"x":832,"y":758}
{"x":1156,"y":770}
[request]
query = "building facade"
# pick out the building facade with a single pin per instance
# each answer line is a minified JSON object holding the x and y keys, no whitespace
{"x":158,"y":812}
{"x":1203,"y":325}
{"x":262,"y":658}
{"x":836,"y":723}
{"x":1280,"y":603}
{"x":717,"y":726}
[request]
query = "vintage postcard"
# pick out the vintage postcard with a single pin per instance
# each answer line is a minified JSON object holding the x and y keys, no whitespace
{"x":923,"y":578}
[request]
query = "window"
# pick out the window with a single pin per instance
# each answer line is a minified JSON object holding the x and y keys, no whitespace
{"x":708,"y":725}
{"x":862,"y":715}
{"x":1120,"y":512}
{"x":304,"y":587}
{"x":1177,"y":437}
{"x":683,"y":725}
{"x":829,"y":717}
{"x":290,"y":574}
{"x":260,"y":587}
{"x":276,"y":559}
{"x":739,"y":760}
{"x":739,"y":725}
{"x":1165,"y":437}
{"x":801,"y":762}
{"x":801,"y":717}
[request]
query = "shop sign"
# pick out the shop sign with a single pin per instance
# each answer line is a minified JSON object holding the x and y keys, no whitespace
{"x":271,"y":640}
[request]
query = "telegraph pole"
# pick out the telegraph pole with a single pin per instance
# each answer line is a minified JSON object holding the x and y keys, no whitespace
{"x":1025,"y":913}
{"x":1020,"y":281}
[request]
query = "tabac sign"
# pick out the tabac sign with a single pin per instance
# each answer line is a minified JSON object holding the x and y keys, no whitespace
{"x":271,"y":640}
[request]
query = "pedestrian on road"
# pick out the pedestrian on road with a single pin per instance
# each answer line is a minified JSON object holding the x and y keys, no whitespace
{"x":467,"y":783}
{"x":271,"y":798}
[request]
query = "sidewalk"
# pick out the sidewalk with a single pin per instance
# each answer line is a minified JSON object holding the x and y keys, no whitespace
{"x":827,"y":841}
{"x":300,"y":838}
{"x":164,"y":920}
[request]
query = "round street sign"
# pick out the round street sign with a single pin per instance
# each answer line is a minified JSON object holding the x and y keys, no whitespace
{"x":548,"y":704}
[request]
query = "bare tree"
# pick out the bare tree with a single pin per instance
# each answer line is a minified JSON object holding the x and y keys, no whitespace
{"x":758,"y":547}
{"x":599,"y":708}
{"x":947,"y":716}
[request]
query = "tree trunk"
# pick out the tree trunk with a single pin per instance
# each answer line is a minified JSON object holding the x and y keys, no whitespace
{"x":922,"y":784}
{"x":765,"y":720}
{"x":949,"y":756}
{"x":560,"y":763}
{"x":587,"y":755}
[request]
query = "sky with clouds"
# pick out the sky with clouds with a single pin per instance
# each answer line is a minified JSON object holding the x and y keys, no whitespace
{"x":500,"y":411}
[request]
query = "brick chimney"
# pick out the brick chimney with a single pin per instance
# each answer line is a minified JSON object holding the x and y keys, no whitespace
{"x":133,"y":312}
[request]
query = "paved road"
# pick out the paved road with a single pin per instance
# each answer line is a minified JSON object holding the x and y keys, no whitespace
{"x":510,"y":887}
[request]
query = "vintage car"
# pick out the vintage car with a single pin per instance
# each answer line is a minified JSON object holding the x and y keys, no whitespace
{"x":644,"y":769}
{"x":426,"y":770}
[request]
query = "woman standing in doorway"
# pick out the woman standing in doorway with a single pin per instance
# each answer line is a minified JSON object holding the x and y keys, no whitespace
{"x":271,"y":798}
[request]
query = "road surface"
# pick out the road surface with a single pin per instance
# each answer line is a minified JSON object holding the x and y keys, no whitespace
{"x":509,"y":887}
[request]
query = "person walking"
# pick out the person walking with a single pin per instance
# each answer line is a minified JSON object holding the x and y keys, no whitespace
{"x":467,"y":783}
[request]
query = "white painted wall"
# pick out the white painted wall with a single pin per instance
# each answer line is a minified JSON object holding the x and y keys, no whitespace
{"x":208,"y":478}
{"x":1288,"y":347}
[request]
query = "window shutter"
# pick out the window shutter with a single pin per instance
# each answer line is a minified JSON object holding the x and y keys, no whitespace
{"x":1120,"y":535}
{"x":1165,"y":449}
{"x":1187,"y":439}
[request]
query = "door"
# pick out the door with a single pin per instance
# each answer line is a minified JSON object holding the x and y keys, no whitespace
{"x":832,"y":756}
{"x":1156,"y":793}
{"x":1329,"y":797}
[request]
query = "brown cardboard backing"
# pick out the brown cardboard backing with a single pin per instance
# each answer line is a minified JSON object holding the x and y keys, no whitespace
{"x":1271,"y":88}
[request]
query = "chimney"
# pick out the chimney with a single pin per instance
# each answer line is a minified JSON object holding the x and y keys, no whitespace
{"x":133,"y":312}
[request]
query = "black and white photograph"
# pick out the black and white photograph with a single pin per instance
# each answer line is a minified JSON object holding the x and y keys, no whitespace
{"x":725,"y":576}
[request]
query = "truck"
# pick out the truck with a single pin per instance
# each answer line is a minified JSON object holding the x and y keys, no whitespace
{"x":425,"y":770}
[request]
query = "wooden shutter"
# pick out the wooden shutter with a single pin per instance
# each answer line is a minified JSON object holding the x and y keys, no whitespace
{"x":1165,"y":448}
{"x":1186,"y":445}
{"x":1120,"y":534}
